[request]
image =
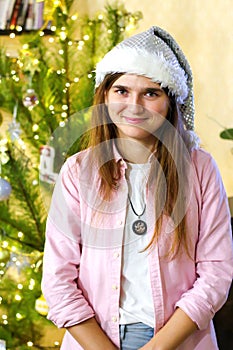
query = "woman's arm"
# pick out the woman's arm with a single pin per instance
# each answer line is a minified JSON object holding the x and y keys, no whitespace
{"x":62,"y":254}
{"x":213,"y":250}
{"x":175,"y":331}
{"x":90,"y":336}
{"x":69,"y":308}
{"x":214,"y":265}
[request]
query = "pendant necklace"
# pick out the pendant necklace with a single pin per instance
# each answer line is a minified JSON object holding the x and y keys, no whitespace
{"x":139,"y":226}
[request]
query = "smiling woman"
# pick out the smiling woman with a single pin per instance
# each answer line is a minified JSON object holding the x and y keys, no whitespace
{"x":140,"y":203}
{"x":138,"y":107}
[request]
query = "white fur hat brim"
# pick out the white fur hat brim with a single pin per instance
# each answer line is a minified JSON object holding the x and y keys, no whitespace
{"x":141,"y":62}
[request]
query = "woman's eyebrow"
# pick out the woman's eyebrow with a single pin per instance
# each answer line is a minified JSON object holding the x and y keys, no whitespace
{"x":143,"y":89}
{"x":153,"y":89}
{"x":120,"y":87}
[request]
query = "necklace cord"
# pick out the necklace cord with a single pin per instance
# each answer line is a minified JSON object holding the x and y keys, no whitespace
{"x":131,"y":204}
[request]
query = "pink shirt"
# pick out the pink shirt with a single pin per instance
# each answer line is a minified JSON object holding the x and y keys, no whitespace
{"x":83,"y":250}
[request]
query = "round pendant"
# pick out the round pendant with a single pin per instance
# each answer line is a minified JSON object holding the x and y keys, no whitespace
{"x":139,"y":227}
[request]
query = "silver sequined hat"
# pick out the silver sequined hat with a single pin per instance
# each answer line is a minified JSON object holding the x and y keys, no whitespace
{"x":156,"y":55}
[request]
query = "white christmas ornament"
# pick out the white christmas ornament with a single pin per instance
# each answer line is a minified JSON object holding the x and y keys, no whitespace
{"x":2,"y":344}
{"x":14,"y":130}
{"x":30,"y":99}
{"x":47,"y":154}
{"x":5,"y":189}
{"x":14,"y":127}
{"x":4,"y":158}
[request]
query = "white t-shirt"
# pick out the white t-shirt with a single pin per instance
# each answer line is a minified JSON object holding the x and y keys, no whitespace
{"x":136,"y":304}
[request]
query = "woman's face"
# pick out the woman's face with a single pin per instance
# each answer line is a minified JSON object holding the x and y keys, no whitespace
{"x":137,"y":106}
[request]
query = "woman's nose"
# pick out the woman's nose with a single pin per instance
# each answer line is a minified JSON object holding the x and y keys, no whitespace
{"x":134,"y":105}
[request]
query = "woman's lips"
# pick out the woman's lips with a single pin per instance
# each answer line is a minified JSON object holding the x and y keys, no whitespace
{"x":134,"y":120}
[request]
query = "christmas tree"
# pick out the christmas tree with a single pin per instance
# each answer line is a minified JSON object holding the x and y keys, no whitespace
{"x":51,"y":79}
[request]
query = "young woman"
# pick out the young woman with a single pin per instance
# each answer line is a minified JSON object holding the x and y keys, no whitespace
{"x":138,"y":251}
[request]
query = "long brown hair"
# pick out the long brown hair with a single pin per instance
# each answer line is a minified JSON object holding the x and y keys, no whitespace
{"x":171,"y":165}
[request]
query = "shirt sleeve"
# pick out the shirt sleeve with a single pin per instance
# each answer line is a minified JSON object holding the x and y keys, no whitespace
{"x":214,"y":258}
{"x":62,"y":253}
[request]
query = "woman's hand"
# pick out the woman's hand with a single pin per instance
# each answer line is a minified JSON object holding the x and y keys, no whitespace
{"x":151,"y":345}
{"x":90,"y":336}
{"x":176,"y":330}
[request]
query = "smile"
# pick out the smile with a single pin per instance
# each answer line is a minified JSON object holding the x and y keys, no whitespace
{"x":134,"y":120}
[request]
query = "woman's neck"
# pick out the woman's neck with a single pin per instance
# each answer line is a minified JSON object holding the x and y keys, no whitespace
{"x":134,"y":151}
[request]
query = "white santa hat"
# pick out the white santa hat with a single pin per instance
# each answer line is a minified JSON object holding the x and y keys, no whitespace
{"x":156,"y":55}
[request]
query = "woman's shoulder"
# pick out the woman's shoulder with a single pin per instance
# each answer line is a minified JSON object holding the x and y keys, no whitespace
{"x":79,"y":157}
{"x":204,"y":162}
{"x":77,"y":162}
{"x":201,"y":155}
{"x":198,"y":154}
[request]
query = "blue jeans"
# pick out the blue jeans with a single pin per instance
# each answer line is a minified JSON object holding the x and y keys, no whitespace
{"x":134,"y":336}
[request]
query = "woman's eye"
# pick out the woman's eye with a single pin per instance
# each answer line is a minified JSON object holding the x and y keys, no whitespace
{"x":121,"y":91}
{"x":151,"y":94}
